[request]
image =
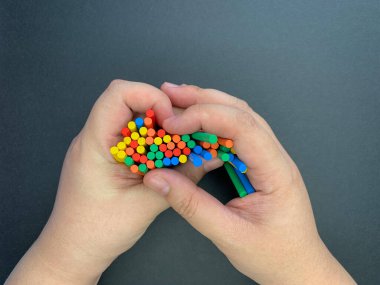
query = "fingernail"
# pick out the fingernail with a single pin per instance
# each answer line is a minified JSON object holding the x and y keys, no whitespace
{"x":170,"y":85}
{"x":159,"y":185}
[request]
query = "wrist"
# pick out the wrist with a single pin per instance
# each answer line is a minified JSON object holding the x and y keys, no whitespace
{"x":48,"y":262}
{"x":67,"y":259}
{"x":318,"y":266}
{"x":330,"y":271}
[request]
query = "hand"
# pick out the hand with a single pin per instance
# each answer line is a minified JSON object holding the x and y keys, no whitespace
{"x":101,"y":208}
{"x":270,"y":236}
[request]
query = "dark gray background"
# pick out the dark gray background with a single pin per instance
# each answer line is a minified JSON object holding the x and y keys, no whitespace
{"x":311,"y":68}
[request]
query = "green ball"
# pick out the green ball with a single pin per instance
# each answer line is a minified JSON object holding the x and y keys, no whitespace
{"x":159,"y":155}
{"x":191,"y":144}
{"x":185,"y":138}
{"x":143,"y":168}
{"x":153,"y":148}
{"x":151,"y":155}
{"x":128,"y":161}
{"x":158,"y":163}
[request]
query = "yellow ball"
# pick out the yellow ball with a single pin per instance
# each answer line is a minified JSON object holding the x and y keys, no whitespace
{"x":157,"y":140}
{"x":182,"y":158}
{"x":121,"y":146}
{"x":127,"y":141}
{"x":120,"y":156}
{"x":167,"y":138}
{"x":141,"y":141}
{"x":135,"y":136}
{"x":132,"y":126}
{"x":140,"y":149}
{"x":114,"y":150}
{"x":143,"y":131}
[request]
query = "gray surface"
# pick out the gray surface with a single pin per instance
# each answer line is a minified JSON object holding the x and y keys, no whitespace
{"x":311,"y":68}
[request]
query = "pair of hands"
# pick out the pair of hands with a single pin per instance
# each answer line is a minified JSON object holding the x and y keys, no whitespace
{"x":102,"y":209}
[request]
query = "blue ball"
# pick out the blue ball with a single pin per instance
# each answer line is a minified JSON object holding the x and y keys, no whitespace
{"x":139,"y":122}
{"x":195,"y":159}
{"x":166,"y":161}
{"x":197,"y":149}
{"x":175,"y":161}
{"x":206,"y":155}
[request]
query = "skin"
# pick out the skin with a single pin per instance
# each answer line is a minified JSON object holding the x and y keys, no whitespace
{"x":101,"y":209}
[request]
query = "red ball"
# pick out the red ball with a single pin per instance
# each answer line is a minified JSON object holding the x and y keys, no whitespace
{"x":125,"y":132}
{"x":161,"y":133}
{"x":176,"y":152}
{"x":136,"y":157}
{"x":143,"y":159}
{"x":186,"y":151}
{"x":168,"y":153}
{"x":163,"y":147}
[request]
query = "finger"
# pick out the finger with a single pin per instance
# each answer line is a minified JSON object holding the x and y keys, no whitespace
{"x":268,"y":168}
{"x":185,"y":96}
{"x":200,"y":209}
{"x":116,"y":105}
{"x":195,"y":174}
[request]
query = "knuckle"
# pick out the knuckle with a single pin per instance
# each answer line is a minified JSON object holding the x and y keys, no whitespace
{"x":210,"y":90}
{"x":199,"y":111}
{"x":75,"y":144}
{"x":75,"y":150}
{"x":188,"y":206}
{"x":246,"y":119}
{"x":116,"y":84}
{"x":195,"y":89}
{"x":242,"y":104}
{"x":296,"y":176}
{"x":210,"y":93}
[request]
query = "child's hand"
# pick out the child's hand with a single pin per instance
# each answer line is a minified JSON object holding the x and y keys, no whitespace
{"x":101,"y":208}
{"x":270,"y":235}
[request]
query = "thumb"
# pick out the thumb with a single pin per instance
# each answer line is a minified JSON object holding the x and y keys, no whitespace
{"x":204,"y":212}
